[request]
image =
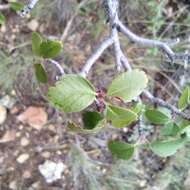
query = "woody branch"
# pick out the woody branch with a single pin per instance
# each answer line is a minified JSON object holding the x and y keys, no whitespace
{"x":117,"y":26}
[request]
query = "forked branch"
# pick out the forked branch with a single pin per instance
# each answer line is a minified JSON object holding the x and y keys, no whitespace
{"x":117,"y":26}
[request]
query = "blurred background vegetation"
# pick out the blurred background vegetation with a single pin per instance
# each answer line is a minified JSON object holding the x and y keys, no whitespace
{"x":158,"y":19}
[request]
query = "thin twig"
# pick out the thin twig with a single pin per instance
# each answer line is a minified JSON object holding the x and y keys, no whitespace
{"x":93,"y":58}
{"x":161,"y":102}
{"x":28,"y":8}
{"x":61,"y":70}
{"x":69,"y":24}
{"x":146,"y":42}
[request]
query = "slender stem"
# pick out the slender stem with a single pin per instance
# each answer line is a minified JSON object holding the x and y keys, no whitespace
{"x":146,"y":42}
{"x":61,"y":70}
{"x":93,"y":58}
{"x":161,"y":102}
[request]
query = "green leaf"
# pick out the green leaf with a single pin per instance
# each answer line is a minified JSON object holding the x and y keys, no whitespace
{"x":36,"y":42}
{"x":184,"y":99}
{"x":186,"y":131}
{"x":121,"y":150}
{"x":167,"y":148}
{"x":2,"y":19}
{"x":120,"y":117}
{"x":50,"y":48}
{"x":138,"y":108}
{"x":16,"y":6}
{"x":72,"y":93}
{"x":182,"y":123}
{"x":157,"y":117}
{"x":91,"y":119}
{"x":170,"y":129}
{"x":128,"y":85}
{"x":74,"y":128}
{"x":165,"y":111}
{"x":40,"y":73}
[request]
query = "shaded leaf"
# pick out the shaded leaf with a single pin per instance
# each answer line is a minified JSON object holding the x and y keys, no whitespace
{"x":2,"y":19}
{"x":156,"y":116}
{"x":128,"y":85}
{"x":167,"y":148}
{"x":121,"y":150}
{"x":16,"y":6}
{"x":72,"y":93}
{"x":50,"y":48}
{"x":120,"y":117}
{"x":36,"y":42}
{"x":72,"y":127}
{"x":91,"y":119}
{"x":170,"y":129}
{"x":184,"y":99}
{"x":40,"y":73}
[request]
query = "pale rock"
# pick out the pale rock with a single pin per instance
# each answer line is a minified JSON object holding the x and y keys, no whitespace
{"x":46,"y":154}
{"x":36,"y":117}
{"x":18,"y":134}
{"x":35,"y":186}
{"x":3,"y":114}
{"x":9,"y":135}
{"x":59,"y":152}
{"x":21,"y":127}
{"x":13,"y":185}
{"x":51,"y":128}
{"x":26,"y":175}
{"x":16,"y":153}
{"x":3,"y":29}
{"x":51,"y":171}
{"x":24,"y":141}
{"x":7,"y":101}
{"x":14,"y":110}
{"x":33,"y":25}
{"x":143,"y":183}
{"x":22,"y":158}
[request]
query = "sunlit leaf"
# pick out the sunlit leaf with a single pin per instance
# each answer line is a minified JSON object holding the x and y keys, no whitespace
{"x":120,"y":117}
{"x":72,"y":93}
{"x":167,"y":148}
{"x":138,"y":108}
{"x":128,"y":85}
{"x":121,"y":150}
{"x":156,"y":116}
{"x":170,"y":129}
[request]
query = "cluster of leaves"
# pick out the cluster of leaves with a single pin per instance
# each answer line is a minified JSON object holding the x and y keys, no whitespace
{"x":44,"y":49}
{"x":74,"y":93}
{"x":177,"y":132}
{"x":176,"y":129}
{"x":14,"y":6}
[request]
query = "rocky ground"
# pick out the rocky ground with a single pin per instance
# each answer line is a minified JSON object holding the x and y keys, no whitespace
{"x":37,"y":152}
